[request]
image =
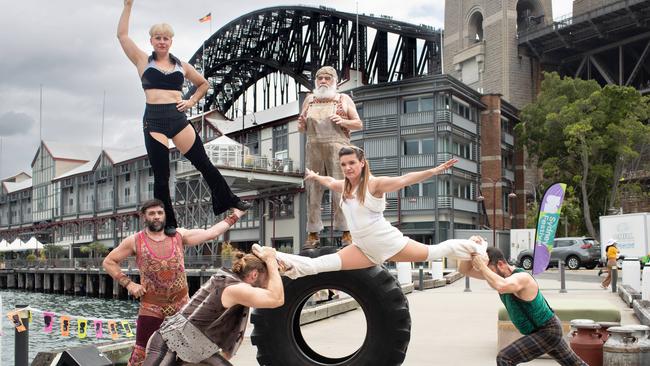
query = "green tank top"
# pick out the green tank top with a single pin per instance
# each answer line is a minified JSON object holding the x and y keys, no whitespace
{"x":527,"y":316}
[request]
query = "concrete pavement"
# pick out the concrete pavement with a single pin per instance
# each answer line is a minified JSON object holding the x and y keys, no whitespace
{"x":449,"y":326}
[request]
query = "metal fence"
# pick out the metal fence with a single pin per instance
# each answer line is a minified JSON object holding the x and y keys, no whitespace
{"x":191,"y":262}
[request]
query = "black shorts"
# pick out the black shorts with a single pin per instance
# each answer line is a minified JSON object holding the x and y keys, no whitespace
{"x":163,"y":118}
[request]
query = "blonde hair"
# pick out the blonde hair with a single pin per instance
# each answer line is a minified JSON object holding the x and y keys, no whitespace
{"x":244,"y":263}
{"x":365,"y":173}
{"x":163,"y":29}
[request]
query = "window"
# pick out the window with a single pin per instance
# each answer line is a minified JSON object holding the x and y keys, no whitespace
{"x":422,"y":104}
{"x":428,"y":189}
{"x":418,"y":146}
{"x":252,"y":142}
{"x":462,"y":149}
{"x":463,"y":190}
{"x":464,"y":111}
{"x":124,"y":168}
{"x":127,"y":192}
{"x":412,"y":191}
{"x":127,"y":177}
{"x":281,"y":141}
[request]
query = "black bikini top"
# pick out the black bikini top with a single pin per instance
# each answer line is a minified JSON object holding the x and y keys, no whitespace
{"x":155,"y":78}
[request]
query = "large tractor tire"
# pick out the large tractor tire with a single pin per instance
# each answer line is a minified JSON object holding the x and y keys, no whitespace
{"x":279,"y":339}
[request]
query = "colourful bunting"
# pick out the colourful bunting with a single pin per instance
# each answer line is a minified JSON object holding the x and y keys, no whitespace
{"x":112,"y":328}
{"x":14,"y":317}
{"x":65,"y":326}
{"x":126,"y":327}
{"x":99,"y":333}
{"x":82,"y":325}
{"x":48,"y":319}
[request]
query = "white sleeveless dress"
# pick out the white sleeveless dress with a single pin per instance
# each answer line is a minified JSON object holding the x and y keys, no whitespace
{"x":371,"y":232}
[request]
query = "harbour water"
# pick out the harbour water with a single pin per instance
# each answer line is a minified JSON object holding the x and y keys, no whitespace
{"x":72,"y":306}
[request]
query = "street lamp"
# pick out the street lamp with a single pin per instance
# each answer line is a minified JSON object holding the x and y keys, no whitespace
{"x":494,"y":205}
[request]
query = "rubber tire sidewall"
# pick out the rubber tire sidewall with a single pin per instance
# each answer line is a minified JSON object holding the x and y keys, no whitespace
{"x":377,"y":292}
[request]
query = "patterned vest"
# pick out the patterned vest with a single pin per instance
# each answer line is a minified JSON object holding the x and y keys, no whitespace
{"x":162,"y":277}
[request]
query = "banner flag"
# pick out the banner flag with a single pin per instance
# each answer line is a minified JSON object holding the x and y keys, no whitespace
{"x":14,"y":317}
{"x":112,"y":328}
{"x":547,"y":222}
{"x":48,"y":319}
{"x":82,"y":327}
{"x":126,"y":327}
{"x":65,"y":326}
{"x":99,"y":333}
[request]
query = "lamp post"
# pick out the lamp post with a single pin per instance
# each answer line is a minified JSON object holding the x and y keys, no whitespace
{"x":494,"y":205}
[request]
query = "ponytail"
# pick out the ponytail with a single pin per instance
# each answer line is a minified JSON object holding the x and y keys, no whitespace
{"x":244,"y":263}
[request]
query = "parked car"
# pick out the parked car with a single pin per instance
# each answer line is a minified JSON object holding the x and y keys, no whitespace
{"x":575,"y":252}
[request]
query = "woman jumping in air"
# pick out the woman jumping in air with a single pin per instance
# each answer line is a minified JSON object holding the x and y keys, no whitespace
{"x":374,"y":239}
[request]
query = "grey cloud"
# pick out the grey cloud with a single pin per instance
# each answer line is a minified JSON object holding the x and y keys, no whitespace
{"x":15,"y":123}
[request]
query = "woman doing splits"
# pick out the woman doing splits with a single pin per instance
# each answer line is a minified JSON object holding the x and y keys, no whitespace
{"x":374,"y":239}
{"x":210,"y":328}
{"x":162,"y":76}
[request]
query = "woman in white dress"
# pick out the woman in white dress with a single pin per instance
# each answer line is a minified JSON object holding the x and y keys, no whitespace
{"x":375,"y":240}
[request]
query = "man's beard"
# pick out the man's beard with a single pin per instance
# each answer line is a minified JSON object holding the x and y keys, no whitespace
{"x":325,"y":92}
{"x":155,"y":226}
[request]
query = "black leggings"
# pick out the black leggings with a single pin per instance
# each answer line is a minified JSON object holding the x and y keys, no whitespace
{"x":158,"y":354}
{"x":222,"y":196}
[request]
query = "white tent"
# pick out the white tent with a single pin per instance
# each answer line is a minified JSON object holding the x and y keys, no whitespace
{"x":4,"y":246}
{"x":33,"y":244}
{"x":17,"y":245}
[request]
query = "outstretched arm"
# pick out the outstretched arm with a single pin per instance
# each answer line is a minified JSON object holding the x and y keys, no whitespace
{"x":329,"y":182}
{"x":392,"y":184}
{"x":193,"y":237}
{"x":135,"y":54}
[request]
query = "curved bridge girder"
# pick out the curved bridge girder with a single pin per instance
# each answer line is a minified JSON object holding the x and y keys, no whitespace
{"x":297,"y":40}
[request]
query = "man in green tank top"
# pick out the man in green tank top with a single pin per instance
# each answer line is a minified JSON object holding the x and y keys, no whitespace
{"x":527,"y":308}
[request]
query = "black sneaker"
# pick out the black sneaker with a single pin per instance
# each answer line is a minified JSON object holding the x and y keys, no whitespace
{"x":170,"y":230}
{"x":243,"y":205}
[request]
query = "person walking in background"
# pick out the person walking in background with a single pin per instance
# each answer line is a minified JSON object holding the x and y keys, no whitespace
{"x":611,"y":253}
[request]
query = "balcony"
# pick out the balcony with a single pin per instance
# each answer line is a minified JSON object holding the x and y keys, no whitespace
{"x":417,"y":118}
{"x":465,"y":124}
{"x":418,"y":161}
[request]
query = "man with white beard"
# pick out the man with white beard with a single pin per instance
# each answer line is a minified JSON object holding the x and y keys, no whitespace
{"x":327,"y":118}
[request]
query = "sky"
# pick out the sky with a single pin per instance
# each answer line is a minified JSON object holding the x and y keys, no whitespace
{"x":70,"y":48}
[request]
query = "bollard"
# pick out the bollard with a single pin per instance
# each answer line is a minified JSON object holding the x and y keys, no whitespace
{"x":614,"y":278}
{"x":467,"y":289}
{"x":21,"y":340}
{"x":645,"y":282}
{"x":560,"y":264}
{"x":421,"y":278}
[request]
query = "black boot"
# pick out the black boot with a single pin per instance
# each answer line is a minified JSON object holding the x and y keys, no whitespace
{"x":159,"y":159}
{"x":222,"y":197}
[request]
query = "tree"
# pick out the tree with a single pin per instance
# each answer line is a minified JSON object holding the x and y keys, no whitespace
{"x":52,"y":250}
{"x":96,"y":249}
{"x":586,"y":136}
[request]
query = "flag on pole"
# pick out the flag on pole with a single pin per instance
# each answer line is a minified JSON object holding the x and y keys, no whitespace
{"x":547,"y":222}
{"x":206,"y":18}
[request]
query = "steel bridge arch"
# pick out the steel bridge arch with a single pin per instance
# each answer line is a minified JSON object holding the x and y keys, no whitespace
{"x":297,"y":40}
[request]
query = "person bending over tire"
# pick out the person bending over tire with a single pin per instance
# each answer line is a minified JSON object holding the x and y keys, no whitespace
{"x":527,"y":308}
{"x":162,"y":76}
{"x":210,"y":328}
{"x":374,"y":239}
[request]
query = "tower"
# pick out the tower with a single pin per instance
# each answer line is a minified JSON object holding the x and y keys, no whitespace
{"x":480,"y":45}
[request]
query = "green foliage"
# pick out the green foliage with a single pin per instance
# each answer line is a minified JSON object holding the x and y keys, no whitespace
{"x":31,"y":257}
{"x":95,"y":249}
{"x":51,"y":250}
{"x":586,"y":136}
